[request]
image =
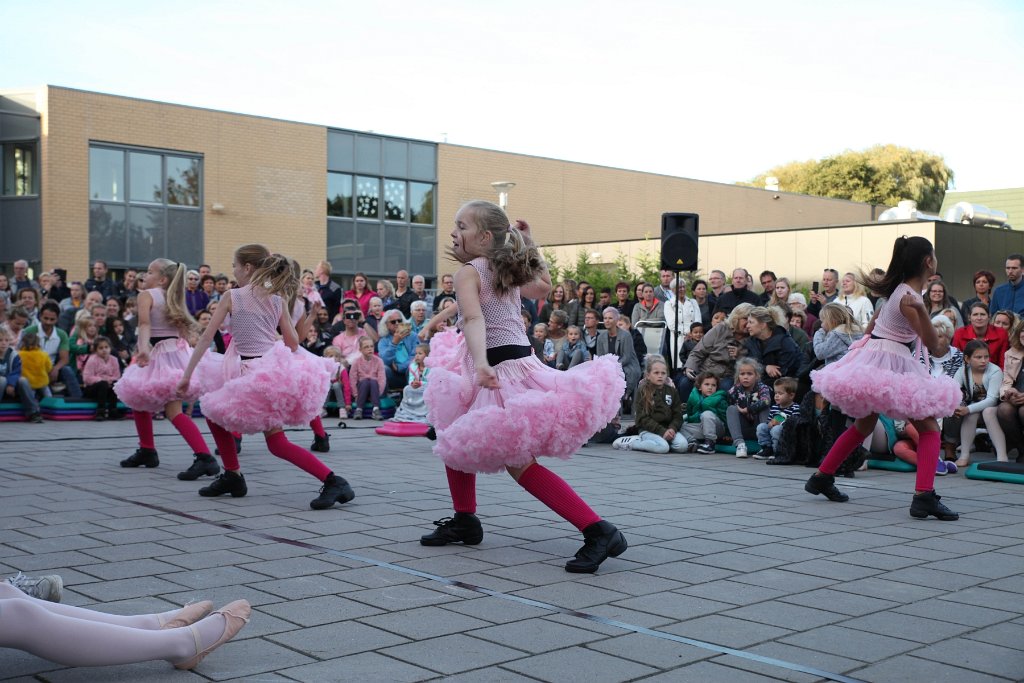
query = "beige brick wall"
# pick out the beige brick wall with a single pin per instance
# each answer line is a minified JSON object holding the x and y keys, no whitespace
{"x":270,"y":175}
{"x":571,"y":203}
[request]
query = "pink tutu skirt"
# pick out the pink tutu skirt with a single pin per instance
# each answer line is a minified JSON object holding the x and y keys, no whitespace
{"x":536,"y":411}
{"x":148,"y":389}
{"x":883,"y":377}
{"x":277,"y":389}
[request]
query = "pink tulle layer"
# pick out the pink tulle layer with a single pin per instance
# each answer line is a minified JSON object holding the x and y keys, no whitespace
{"x":150,"y":388}
{"x":884,"y":377}
{"x":536,"y":411}
{"x":280,"y":388}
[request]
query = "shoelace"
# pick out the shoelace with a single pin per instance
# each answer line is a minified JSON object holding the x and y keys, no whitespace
{"x":444,"y":521}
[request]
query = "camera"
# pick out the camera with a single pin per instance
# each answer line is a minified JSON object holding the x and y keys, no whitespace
{"x":353,"y":315}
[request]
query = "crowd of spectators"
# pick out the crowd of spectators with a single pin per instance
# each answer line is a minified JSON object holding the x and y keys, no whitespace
{"x":703,"y":328}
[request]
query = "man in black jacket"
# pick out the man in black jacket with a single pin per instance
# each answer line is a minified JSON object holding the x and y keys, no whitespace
{"x":739,"y":294}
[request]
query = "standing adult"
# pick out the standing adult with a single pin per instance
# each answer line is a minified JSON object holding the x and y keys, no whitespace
{"x":853,"y":296}
{"x":386,"y":293}
{"x":680,"y":313}
{"x":21,"y":278}
{"x":984,"y":281}
{"x":739,"y":294}
{"x":938,"y":301}
{"x":130,"y":287}
{"x":556,"y":301}
{"x":699,"y":290}
{"x":978,"y":327}
{"x":829,"y":292}
{"x":768,"y":280}
{"x":403,"y":295}
{"x":99,"y":282}
{"x":329,"y":290}
{"x":1010,"y":295}
{"x":419,"y":288}
{"x":716,"y":287}
{"x":360,"y":293}
{"x":195,"y":298}
{"x":447,"y":290}
{"x":614,"y":340}
{"x":622,"y":301}
{"x":648,"y":308}
{"x":58,"y":286}
{"x":663,"y":292}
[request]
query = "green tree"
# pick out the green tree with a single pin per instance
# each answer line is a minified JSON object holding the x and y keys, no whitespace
{"x":644,"y":267}
{"x":883,"y":174}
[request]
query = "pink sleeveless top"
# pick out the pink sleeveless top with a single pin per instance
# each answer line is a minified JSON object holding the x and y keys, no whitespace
{"x":891,"y":323}
{"x":254,"y":319}
{"x":158,"y":323}
{"x":502,"y":314}
{"x":298,"y":310}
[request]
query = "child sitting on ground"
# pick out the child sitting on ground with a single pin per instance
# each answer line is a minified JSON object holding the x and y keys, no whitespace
{"x":100,"y":373}
{"x":12,"y":384}
{"x":659,"y":412}
{"x":574,"y":351}
{"x":540,"y":333}
{"x":413,"y":408}
{"x":35,"y":364}
{"x":785,"y":406}
{"x":705,"y":414}
{"x":368,"y":379}
{"x":749,"y":401}
{"x":340,"y":386}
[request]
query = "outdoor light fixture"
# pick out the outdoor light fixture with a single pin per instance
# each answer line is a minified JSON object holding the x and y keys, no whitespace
{"x":502,"y":187}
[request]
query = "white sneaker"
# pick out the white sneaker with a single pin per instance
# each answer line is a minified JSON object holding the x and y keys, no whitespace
{"x":741,"y":450}
{"x":49,"y":587}
{"x":624,"y":443}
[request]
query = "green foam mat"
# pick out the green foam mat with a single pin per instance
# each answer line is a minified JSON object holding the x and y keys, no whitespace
{"x":752,"y":447}
{"x":1008,"y":472}
{"x":895,"y":465}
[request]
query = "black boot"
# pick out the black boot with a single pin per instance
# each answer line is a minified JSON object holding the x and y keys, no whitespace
{"x":203,"y":465}
{"x":928,"y":504}
{"x":321,"y":444}
{"x":142,"y":457}
{"x":334,"y":490}
{"x":464,"y":528}
{"x":601,"y":540}
{"x":227,"y":482}
{"x":431,"y":434}
{"x":825,"y":484}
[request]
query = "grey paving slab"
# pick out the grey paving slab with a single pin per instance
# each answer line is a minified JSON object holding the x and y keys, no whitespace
{"x":722,"y":551}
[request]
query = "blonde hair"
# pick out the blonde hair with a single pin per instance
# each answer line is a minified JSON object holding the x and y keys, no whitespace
{"x":272,"y":272}
{"x":332,"y":352}
{"x":748,"y":362}
{"x":82,"y":323}
{"x":773,"y":300}
{"x":174,"y":299}
{"x":839,"y":318}
{"x":645,"y":390}
{"x":858,"y":287}
{"x":764,"y":316}
{"x":294,"y":296}
{"x":1015,"y":331}
{"x":741,"y":312}
{"x":513,"y":261}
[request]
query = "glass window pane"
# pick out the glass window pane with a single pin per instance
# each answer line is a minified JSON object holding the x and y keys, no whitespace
{"x":396,"y":153}
{"x":147,"y":237}
{"x":183,"y":181}
{"x":422,"y":251}
{"x":396,"y":250}
{"x":341,"y":238}
{"x":19,"y":170}
{"x":107,"y":234}
{"x":367,"y":155}
{"x":144,"y":173}
{"x":367,"y":197}
{"x":106,"y":174}
{"x":340,"y":151}
{"x":421,"y":203}
{"x":339,"y":195}
{"x":394,"y":200}
{"x":422,"y":161}
{"x":368,"y":246}
{"x":185,"y":236}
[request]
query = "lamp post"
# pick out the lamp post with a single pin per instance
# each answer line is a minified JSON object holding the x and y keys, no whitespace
{"x":502,"y":187}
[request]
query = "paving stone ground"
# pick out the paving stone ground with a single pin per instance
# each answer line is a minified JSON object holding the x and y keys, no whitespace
{"x":724,"y":554}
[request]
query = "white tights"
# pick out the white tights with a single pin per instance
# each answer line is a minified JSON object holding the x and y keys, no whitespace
{"x":74,"y":636}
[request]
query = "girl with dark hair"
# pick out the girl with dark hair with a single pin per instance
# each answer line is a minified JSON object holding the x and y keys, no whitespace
{"x":490,"y":397}
{"x":938,"y":301}
{"x":884,"y":373}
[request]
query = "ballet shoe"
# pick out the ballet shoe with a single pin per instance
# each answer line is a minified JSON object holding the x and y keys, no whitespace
{"x":236,"y":614}
{"x":189,"y":614}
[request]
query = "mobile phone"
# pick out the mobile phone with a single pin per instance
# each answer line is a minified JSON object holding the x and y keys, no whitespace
{"x":814,"y":286}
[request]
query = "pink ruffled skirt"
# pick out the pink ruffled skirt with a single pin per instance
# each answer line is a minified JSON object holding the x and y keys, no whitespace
{"x":277,"y":389}
{"x":883,"y":377}
{"x":150,"y":388}
{"x":536,"y":411}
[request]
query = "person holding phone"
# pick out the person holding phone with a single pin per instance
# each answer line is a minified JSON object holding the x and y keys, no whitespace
{"x":825,"y":293}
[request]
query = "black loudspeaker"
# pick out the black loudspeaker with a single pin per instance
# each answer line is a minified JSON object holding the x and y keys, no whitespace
{"x":679,"y":232}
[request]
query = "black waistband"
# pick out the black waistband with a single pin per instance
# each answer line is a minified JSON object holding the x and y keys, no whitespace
{"x":153,"y":341}
{"x":910,"y":345}
{"x":248,"y":357}
{"x":500,"y":354}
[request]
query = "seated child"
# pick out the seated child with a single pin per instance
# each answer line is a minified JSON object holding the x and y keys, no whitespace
{"x":749,"y":401}
{"x":574,"y":351}
{"x":368,"y":379}
{"x":339,"y":382}
{"x":12,"y":384}
{"x":100,"y":373}
{"x":540,"y":333}
{"x":35,"y":364}
{"x":785,"y":406}
{"x":81,"y":341}
{"x":705,"y":414}
{"x":692,"y":339}
{"x":659,"y":412}
{"x":413,"y":408}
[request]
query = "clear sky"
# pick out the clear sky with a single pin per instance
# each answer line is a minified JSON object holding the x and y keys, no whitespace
{"x":710,"y":90}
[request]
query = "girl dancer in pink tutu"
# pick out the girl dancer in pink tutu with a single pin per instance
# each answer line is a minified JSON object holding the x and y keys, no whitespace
{"x":491,"y":400}
{"x":150,"y":384}
{"x":883,"y":373}
{"x":260,"y":384}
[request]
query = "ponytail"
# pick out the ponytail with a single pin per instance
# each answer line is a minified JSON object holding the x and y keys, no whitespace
{"x":174,"y":301}
{"x":274,"y":275}
{"x":513,"y":261}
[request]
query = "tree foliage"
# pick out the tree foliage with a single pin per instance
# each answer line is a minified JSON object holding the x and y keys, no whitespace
{"x":883,"y":174}
{"x":645,"y":267}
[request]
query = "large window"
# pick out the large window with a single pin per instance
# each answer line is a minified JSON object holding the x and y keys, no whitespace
{"x":144,"y":204}
{"x":20,"y":170}
{"x":380,"y":205}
